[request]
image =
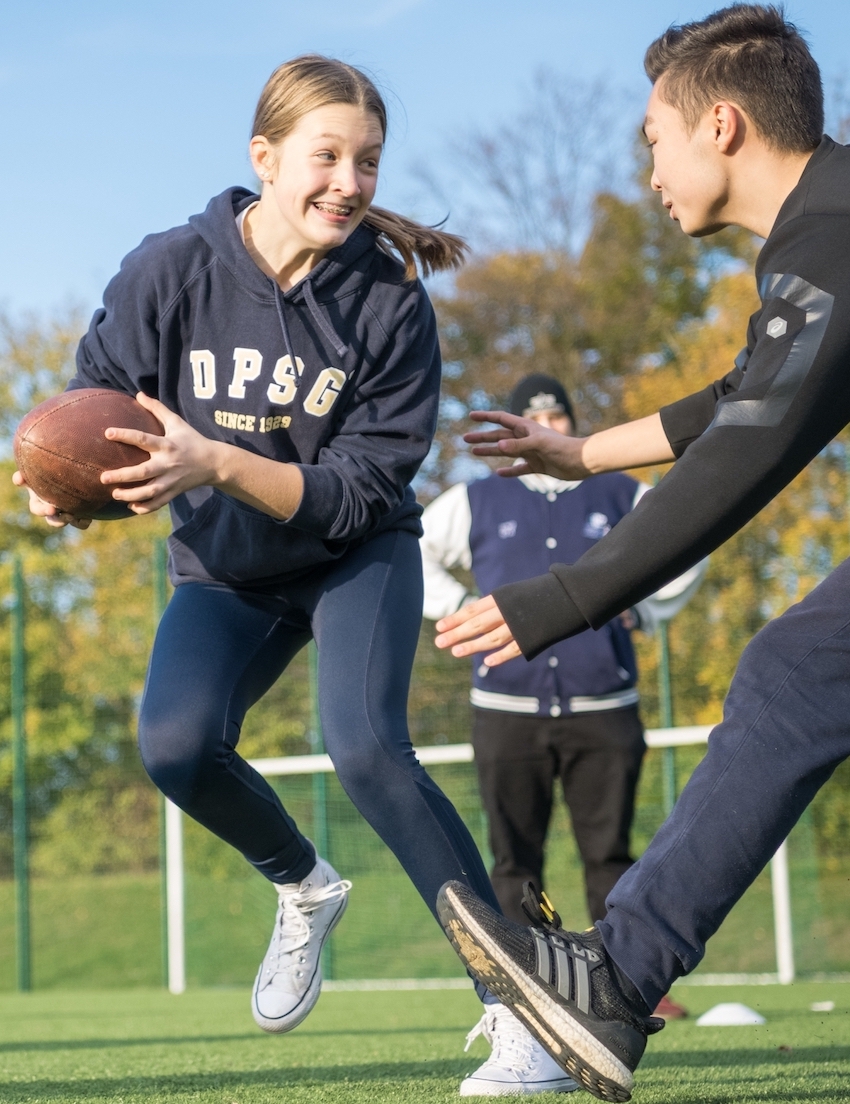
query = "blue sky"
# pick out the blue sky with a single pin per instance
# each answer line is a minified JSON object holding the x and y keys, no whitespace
{"x":120,"y":119}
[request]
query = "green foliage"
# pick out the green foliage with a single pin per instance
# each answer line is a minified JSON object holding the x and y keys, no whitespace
{"x":831,"y":818}
{"x":36,"y":361}
{"x":89,"y":626}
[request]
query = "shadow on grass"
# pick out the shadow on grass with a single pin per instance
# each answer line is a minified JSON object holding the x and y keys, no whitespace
{"x":16,"y":1092}
{"x":755,"y":1073}
{"x":235,"y":1037}
{"x":752,"y":1056}
{"x":730,"y":1080}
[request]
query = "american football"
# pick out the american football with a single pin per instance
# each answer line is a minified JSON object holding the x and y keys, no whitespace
{"x":61,"y":450}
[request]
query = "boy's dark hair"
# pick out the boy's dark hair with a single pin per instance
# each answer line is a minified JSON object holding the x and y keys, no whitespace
{"x":750,"y":54}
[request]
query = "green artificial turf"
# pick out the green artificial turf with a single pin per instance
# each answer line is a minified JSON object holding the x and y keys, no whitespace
{"x":142,"y":1045}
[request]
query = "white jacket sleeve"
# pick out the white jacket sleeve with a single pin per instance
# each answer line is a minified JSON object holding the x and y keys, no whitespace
{"x":672,"y":597}
{"x":445,"y":544}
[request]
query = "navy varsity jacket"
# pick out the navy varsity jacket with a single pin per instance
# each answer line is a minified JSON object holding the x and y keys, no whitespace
{"x":512,"y":532}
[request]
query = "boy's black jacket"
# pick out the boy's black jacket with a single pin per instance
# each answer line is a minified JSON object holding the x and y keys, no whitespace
{"x":740,"y":440}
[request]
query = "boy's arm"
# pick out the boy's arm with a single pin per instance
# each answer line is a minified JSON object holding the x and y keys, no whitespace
{"x":790,"y":397}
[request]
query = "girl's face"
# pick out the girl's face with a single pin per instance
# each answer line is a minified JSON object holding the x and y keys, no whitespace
{"x":321,"y":177}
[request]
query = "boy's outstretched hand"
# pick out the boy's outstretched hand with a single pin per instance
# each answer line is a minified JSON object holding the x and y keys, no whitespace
{"x":630,"y":445}
{"x":537,"y":448}
{"x":478,"y":627}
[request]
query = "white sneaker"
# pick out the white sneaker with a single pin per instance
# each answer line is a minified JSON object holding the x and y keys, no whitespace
{"x":518,"y":1063}
{"x":290,"y":976}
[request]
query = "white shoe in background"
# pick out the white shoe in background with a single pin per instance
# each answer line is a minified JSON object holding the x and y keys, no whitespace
{"x":518,"y":1064}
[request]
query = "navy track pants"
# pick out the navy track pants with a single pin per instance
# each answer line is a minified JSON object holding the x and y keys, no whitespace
{"x":219,"y":649}
{"x":785,"y":728}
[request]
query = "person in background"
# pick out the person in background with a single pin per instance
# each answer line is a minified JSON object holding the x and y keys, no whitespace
{"x":571,"y":713}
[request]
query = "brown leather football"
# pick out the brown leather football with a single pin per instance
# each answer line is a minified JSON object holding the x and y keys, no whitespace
{"x":61,"y":451}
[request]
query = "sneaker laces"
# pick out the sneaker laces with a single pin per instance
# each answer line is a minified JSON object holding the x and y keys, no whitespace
{"x":512,"y":1045}
{"x":293,"y":928}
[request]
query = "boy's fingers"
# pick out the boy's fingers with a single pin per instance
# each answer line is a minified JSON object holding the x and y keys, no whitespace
{"x":498,"y":417}
{"x":483,"y":642}
{"x":511,"y":651}
{"x":480,"y":435}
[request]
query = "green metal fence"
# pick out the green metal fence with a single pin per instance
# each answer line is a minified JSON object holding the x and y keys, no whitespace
{"x":108,"y":926}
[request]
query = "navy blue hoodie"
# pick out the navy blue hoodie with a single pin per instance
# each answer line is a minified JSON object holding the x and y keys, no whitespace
{"x":340,"y":375}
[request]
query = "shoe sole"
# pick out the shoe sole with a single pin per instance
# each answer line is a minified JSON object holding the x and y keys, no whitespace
{"x":572,"y":1046}
{"x":564,"y":1085}
{"x":308,"y":1002}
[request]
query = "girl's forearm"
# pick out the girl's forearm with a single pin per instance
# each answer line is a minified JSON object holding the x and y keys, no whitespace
{"x":274,"y":487}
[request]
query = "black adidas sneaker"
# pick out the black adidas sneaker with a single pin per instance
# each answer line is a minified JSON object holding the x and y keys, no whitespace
{"x":560,"y":984}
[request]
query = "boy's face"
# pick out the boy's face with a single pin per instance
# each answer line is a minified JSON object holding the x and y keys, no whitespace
{"x":689,"y":170}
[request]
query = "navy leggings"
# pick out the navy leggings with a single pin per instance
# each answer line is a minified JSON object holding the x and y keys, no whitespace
{"x":219,"y":649}
{"x":786,"y":727}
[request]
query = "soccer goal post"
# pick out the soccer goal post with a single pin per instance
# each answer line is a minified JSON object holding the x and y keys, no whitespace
{"x":316,"y":766}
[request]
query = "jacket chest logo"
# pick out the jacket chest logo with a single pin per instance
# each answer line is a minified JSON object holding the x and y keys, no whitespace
{"x":596,"y":526}
{"x":281,"y":391}
{"x":507,"y":529}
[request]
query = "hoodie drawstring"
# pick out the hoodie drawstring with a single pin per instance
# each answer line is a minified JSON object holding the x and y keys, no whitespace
{"x":318,"y":318}
{"x":322,"y":322}
{"x":278,"y":302}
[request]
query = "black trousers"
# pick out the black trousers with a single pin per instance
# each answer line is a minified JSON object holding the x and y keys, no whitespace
{"x":596,"y":757}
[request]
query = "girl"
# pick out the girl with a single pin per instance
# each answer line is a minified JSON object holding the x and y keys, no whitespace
{"x":293,"y":362}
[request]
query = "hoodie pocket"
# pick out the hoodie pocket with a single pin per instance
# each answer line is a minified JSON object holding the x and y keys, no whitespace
{"x":231,"y":542}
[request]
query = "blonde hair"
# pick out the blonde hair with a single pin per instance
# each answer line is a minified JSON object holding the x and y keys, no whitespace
{"x":312,"y":81}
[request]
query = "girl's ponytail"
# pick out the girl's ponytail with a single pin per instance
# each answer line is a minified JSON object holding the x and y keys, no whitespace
{"x":435,"y":250}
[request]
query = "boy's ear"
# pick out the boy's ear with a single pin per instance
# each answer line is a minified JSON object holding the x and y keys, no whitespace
{"x":728,"y":125}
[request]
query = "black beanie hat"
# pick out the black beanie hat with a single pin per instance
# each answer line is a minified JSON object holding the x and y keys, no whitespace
{"x":537,"y":393}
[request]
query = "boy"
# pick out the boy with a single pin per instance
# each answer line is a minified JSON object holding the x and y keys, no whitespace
{"x":735,"y":122}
